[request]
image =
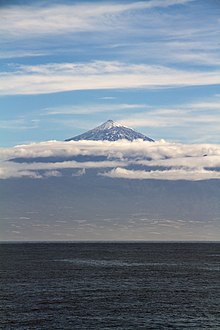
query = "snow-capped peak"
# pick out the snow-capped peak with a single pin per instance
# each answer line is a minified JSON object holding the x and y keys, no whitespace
{"x":108,"y":125}
{"x":110,"y":131}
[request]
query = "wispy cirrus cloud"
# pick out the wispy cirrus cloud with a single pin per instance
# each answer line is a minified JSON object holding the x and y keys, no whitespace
{"x":58,"y":18}
{"x":52,"y":78}
{"x":58,"y":45}
{"x":92,"y":108}
{"x":202,"y":116}
{"x":11,"y":54}
{"x":181,"y":40}
{"x":171,"y":118}
{"x":20,"y":123}
{"x":156,"y":112}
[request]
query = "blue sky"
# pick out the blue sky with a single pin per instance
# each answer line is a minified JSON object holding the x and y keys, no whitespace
{"x":68,"y":66}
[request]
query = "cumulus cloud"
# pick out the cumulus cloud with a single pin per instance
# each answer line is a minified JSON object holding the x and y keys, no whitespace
{"x":196,"y":174}
{"x":159,"y":160}
{"x":12,"y":169}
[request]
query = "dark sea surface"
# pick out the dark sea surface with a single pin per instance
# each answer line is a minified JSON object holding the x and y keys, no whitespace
{"x":109,"y":286}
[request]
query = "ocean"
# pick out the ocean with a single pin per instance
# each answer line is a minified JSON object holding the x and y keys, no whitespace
{"x":109,"y":285}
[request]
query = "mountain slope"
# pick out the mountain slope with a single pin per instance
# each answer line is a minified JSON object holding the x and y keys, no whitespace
{"x":111,"y":131}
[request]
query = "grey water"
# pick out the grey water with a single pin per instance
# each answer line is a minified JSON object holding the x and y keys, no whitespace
{"x":109,"y":286}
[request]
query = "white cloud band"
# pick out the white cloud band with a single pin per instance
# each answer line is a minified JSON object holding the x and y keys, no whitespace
{"x":159,"y":160}
{"x":52,"y":78}
{"x":17,"y":21}
{"x":174,"y":174}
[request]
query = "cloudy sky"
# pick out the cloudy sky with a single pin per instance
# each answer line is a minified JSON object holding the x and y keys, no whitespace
{"x":100,"y":190}
{"x":67,"y":66}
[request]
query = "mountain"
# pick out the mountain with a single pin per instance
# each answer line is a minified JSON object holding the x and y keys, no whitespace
{"x":111,"y":131}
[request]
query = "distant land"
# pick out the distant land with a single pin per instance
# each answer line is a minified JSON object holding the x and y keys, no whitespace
{"x":110,"y":183}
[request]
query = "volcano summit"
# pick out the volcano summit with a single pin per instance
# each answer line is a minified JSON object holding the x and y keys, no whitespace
{"x":111,"y":131}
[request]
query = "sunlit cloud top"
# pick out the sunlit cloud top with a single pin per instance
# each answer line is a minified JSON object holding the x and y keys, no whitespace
{"x":138,"y":160}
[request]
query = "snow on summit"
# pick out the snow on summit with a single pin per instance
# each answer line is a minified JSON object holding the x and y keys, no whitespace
{"x":108,"y":125}
{"x":111,"y":131}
